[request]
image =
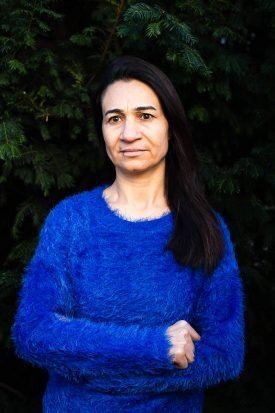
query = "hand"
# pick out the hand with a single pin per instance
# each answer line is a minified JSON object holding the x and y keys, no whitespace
{"x":182,"y":337}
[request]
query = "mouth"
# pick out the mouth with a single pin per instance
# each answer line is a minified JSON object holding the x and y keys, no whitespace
{"x":133,"y":150}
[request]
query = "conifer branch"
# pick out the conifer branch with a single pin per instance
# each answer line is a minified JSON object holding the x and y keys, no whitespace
{"x":15,"y":392}
{"x":119,"y":10}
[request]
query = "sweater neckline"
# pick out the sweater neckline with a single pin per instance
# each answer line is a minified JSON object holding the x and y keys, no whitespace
{"x":113,"y":218}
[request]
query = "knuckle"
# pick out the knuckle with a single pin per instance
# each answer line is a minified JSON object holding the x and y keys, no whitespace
{"x":180,"y":323}
{"x":184,"y":331}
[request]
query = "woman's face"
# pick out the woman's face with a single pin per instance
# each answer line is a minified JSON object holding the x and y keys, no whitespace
{"x":134,"y":127}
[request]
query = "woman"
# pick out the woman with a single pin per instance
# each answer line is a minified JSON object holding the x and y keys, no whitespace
{"x":133,"y":300}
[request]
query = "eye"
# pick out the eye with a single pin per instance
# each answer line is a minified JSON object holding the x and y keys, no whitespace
{"x":114,"y":119}
{"x":146,"y":116}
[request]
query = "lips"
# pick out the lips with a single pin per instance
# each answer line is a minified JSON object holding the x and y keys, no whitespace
{"x":133,"y":150}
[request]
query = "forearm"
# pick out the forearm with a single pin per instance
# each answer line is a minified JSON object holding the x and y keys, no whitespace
{"x":80,"y":347}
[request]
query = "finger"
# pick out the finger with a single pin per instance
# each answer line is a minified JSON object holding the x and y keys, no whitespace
{"x":179,"y":355}
{"x":180,"y":336}
{"x":193,"y":333}
{"x":190,"y":355}
{"x":189,"y":349}
{"x":181,"y":363}
{"x":185,"y":325}
{"x":177,"y":325}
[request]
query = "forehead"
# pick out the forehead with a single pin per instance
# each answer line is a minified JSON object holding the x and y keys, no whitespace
{"x":129,"y":93}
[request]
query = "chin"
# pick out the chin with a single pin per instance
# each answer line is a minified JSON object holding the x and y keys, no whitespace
{"x":135,"y":170}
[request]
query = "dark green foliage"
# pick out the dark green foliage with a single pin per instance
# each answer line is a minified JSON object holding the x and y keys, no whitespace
{"x":221,"y":58}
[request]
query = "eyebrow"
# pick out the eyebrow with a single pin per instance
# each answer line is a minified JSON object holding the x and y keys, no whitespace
{"x":138,"y":109}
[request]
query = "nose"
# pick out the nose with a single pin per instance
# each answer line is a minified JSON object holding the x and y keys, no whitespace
{"x":130,"y":130}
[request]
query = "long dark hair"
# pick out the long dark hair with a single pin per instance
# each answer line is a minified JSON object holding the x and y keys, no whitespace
{"x":196,"y":239}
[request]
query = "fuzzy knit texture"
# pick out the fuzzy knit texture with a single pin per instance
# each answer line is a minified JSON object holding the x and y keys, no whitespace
{"x":97,"y":298}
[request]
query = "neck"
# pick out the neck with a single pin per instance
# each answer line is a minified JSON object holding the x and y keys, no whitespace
{"x":141,"y":192}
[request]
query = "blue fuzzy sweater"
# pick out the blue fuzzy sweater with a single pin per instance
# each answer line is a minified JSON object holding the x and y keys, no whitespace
{"x":97,"y":298}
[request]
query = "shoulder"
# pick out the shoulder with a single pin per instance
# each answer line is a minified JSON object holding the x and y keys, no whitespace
{"x":75,"y":206}
{"x":79,"y":201}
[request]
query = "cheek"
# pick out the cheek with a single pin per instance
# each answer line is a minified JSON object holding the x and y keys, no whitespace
{"x":111,"y":145}
{"x":163,"y":141}
{"x":104,"y":133}
{"x":107,"y":136}
{"x":164,"y":145}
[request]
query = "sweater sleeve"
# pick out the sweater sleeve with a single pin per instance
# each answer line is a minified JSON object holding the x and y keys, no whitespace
{"x":219,"y":319}
{"x":46,"y":333}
